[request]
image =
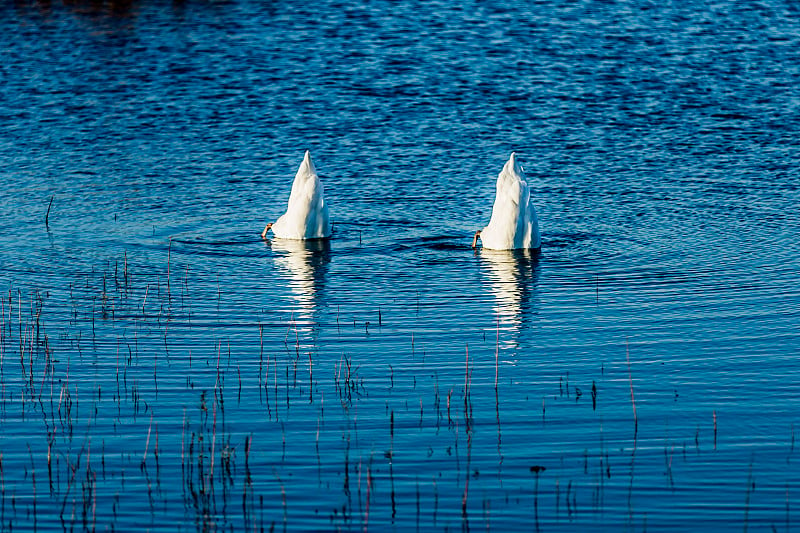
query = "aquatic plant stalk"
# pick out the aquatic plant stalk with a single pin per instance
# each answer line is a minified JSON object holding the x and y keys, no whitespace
{"x":630,"y":380}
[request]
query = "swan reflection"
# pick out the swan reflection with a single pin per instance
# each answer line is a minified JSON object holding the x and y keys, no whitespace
{"x":304,"y":265}
{"x":512,"y":276}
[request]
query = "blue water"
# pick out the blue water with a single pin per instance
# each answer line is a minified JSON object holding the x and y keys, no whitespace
{"x":163,"y":367}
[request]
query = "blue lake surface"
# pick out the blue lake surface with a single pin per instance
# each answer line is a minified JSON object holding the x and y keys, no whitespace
{"x":163,"y":367}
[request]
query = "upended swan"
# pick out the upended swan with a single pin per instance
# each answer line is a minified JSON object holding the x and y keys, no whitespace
{"x":514,"y":224}
{"x":306,"y":215}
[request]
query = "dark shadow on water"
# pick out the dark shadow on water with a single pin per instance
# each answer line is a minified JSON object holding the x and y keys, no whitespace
{"x":218,"y":242}
{"x":100,"y":12}
{"x":239,"y":244}
{"x":447,"y":242}
{"x":434,"y":242}
{"x":512,"y":277}
{"x":110,"y":8}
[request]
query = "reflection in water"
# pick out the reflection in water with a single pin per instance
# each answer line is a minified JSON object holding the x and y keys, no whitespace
{"x":513,"y":276}
{"x":305,"y":265}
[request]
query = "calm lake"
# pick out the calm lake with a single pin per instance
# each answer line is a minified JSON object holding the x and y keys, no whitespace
{"x":164,"y":368}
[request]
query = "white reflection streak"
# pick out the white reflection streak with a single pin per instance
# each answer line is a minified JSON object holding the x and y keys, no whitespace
{"x":504,"y":280}
{"x":296,"y":261}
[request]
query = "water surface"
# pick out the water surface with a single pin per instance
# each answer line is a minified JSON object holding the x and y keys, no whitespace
{"x":181,"y":373}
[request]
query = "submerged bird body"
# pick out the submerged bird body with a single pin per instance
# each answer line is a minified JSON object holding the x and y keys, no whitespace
{"x":514,"y":224}
{"x":306,"y":215}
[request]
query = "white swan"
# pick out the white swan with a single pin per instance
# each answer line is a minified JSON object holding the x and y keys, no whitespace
{"x":514,"y":223}
{"x":306,"y":216}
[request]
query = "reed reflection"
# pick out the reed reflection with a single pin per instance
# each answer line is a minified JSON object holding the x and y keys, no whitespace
{"x":512,"y":276}
{"x":304,"y":265}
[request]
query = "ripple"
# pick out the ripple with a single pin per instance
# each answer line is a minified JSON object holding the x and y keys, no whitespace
{"x":328,"y":379}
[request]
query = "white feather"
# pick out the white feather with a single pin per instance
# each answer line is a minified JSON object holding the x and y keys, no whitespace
{"x":306,"y":215}
{"x":514,"y":224}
